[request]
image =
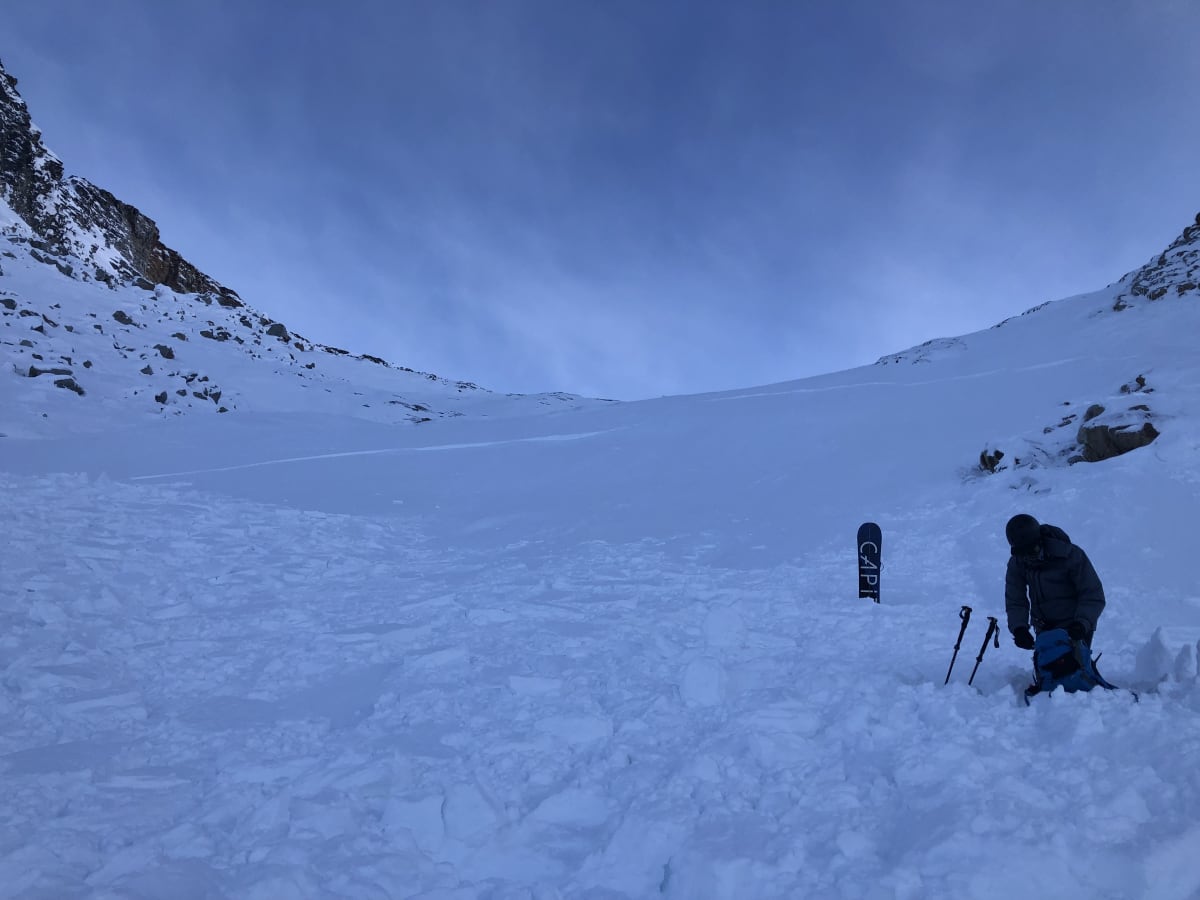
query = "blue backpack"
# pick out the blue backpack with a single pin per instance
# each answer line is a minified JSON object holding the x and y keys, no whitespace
{"x":1059,"y":661}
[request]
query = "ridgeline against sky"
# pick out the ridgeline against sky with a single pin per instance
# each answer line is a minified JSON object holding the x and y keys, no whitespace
{"x":629,"y":199}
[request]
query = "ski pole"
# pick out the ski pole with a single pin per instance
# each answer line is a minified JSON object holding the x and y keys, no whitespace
{"x":992,"y":632}
{"x":965,"y":615}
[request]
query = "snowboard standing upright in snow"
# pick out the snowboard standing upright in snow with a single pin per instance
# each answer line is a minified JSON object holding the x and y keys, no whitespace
{"x":870,"y":551}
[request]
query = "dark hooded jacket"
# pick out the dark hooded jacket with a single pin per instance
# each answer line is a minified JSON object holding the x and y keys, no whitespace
{"x":1054,"y":591}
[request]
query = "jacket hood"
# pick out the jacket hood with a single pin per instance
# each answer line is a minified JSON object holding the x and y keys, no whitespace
{"x":1055,"y":541}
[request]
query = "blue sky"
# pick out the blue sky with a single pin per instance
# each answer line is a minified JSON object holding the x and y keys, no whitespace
{"x":628,"y":199}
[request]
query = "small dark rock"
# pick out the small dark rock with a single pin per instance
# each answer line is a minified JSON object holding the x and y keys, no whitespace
{"x":8,"y":303}
{"x":164,"y":351}
{"x":989,"y":461}
{"x":1092,"y":411}
{"x":34,"y":372}
{"x":123,"y":317}
{"x":179,"y":336}
{"x":87,"y":363}
{"x":146,"y":370}
{"x":144,"y":283}
{"x":278,"y":330}
{"x":26,"y":343}
{"x":161,"y":399}
{"x":69,"y":384}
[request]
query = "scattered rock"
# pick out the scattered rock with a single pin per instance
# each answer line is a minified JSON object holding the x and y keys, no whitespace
{"x":123,"y":317}
{"x":69,"y":384}
{"x":161,"y":398}
{"x":34,"y":372}
{"x":146,"y":370}
{"x":988,"y":459}
{"x":1093,"y":411}
{"x":179,"y":336}
{"x":279,"y":331}
{"x":164,"y":351}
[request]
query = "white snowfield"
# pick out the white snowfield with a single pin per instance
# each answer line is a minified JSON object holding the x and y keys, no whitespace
{"x":613,"y":652}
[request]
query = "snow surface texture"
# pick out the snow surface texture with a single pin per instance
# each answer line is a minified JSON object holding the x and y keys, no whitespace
{"x":607,"y":652}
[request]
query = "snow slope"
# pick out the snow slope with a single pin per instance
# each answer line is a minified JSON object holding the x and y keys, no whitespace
{"x":79,"y":356}
{"x":613,"y":651}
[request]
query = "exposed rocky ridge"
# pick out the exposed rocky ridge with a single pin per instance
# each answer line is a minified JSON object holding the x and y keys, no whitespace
{"x":1174,"y":272}
{"x":98,"y":316}
{"x":73,"y":217}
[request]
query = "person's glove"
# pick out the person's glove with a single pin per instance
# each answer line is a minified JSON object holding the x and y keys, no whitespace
{"x":1077,"y":630}
{"x":1023,"y":639}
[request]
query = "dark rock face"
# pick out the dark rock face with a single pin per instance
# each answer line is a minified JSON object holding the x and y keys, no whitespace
{"x":1175,"y":272}
{"x":68,"y":212}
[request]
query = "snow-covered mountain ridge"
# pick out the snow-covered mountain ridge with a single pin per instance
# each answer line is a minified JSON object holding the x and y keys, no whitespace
{"x":108,"y":240}
{"x":103,"y":324}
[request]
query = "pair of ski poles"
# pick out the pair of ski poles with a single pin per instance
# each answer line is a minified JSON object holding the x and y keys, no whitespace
{"x":993,"y":634}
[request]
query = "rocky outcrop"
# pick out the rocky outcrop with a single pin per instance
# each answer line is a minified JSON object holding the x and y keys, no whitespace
{"x":1104,"y":431}
{"x":1173,"y":273}
{"x":1102,"y":440}
{"x":73,"y":217}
